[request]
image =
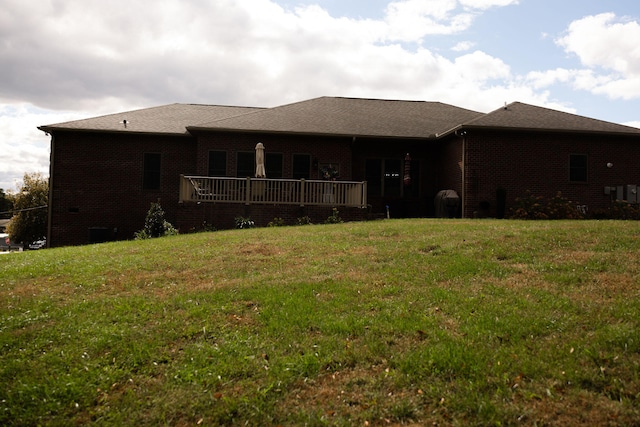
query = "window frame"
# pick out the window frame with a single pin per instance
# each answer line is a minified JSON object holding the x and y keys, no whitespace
{"x":392,"y":177}
{"x":295,"y":173}
{"x":386,"y":179}
{"x":374,"y":172}
{"x":269,"y":161}
{"x":579,"y":173}
{"x":239,"y":162}
{"x":217,"y":170}
{"x":151,"y":175}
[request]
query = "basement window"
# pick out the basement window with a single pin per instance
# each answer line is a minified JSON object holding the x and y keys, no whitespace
{"x":578,"y":168}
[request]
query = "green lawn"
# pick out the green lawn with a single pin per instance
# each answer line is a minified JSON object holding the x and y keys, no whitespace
{"x":452,"y":322}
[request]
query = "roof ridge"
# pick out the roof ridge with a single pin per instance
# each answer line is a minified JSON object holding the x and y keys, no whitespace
{"x":135,"y":110}
{"x":423,"y":101}
{"x":195,"y":104}
{"x":255,"y":110}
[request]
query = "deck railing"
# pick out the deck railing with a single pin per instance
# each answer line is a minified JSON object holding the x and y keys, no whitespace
{"x":272,"y":191}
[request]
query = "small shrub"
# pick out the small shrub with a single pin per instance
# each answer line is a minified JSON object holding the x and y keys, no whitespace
{"x":334,"y":218}
{"x":559,"y":207}
{"x":304,"y":220}
{"x":537,"y":207}
{"x":205,"y":227}
{"x":242,"y":222}
{"x":276,"y":222}
{"x":528,"y":207}
{"x":619,"y":209}
{"x":155,"y":224}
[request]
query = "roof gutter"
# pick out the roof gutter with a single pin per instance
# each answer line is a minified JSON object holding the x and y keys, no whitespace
{"x":460,"y":127}
{"x":50,"y":201}
{"x":449,"y":132}
{"x":546,"y":130}
{"x":52,"y":129}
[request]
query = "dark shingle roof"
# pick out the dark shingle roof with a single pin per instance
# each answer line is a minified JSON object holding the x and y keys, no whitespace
{"x":351,"y":117}
{"x":342,"y":116}
{"x":529,"y":117}
{"x":166,"y":119}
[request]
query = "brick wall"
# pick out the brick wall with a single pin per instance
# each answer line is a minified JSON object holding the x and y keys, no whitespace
{"x":97,"y":184}
{"x":539,"y":162}
{"x":97,"y":181}
{"x":97,"y":178}
{"x":450,"y":166}
{"x":193,"y":217}
{"x":321,"y":149}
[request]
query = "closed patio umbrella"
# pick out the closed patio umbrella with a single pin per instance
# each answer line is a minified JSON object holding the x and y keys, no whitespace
{"x":260,"y":171}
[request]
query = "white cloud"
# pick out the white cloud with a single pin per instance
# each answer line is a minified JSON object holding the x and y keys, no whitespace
{"x":253,"y":52}
{"x":25,"y":148}
{"x":463,"y":46}
{"x":605,"y":41}
{"x":478,"y":67}
{"x":486,"y":4}
{"x":436,"y":9}
{"x":608,"y":47}
{"x":544,"y":79}
{"x":411,"y":20}
{"x":624,"y":88}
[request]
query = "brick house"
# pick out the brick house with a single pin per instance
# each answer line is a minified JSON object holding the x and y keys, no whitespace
{"x":386,"y":156}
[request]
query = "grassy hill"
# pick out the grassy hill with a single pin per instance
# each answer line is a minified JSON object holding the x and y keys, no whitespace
{"x":391,"y":322}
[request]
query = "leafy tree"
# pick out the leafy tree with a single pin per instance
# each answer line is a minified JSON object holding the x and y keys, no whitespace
{"x":6,"y":205}
{"x":155,"y":225}
{"x":30,"y":206}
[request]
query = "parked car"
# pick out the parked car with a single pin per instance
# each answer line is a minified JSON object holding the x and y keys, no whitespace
{"x":38,"y":244}
{"x":7,"y":245}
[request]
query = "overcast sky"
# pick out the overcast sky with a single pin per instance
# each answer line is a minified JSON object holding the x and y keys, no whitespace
{"x":68,"y":59}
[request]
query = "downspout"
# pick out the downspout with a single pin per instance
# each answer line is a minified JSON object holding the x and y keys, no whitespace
{"x":50,"y":208}
{"x":463,"y":196}
{"x":464,"y":174}
{"x":353,"y":146}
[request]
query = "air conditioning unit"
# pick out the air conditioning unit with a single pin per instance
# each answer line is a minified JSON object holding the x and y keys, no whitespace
{"x":628,"y":193}
{"x":631,"y":194}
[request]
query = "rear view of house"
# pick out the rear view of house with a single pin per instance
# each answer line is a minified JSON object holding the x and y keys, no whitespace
{"x":365,"y":157}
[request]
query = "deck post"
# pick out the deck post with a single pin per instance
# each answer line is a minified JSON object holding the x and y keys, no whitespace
{"x":247,"y":195}
{"x":363,"y":197}
{"x":302,"y":192}
{"x":181,"y":196}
